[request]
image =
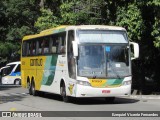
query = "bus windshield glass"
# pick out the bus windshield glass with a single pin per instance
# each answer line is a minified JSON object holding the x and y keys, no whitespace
{"x":102,"y":36}
{"x":104,"y":60}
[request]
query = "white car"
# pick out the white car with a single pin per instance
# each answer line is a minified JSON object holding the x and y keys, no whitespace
{"x":11,"y":74}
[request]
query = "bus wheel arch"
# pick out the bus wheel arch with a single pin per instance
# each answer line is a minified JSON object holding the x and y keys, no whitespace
{"x":65,"y":98}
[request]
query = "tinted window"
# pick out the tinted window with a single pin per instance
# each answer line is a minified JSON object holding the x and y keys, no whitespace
{"x":18,"y":69}
{"x":52,"y":44}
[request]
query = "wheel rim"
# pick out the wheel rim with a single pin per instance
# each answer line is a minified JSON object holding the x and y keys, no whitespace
{"x":33,"y":89}
{"x":63,"y":93}
{"x":29,"y":88}
{"x":28,"y":85}
{"x":17,"y":82}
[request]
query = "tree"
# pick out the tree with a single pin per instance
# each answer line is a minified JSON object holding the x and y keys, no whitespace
{"x":46,"y":20}
{"x":18,"y":19}
{"x":130,"y":17}
{"x":156,"y":27}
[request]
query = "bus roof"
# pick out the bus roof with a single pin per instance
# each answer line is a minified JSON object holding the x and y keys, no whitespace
{"x":67,"y":27}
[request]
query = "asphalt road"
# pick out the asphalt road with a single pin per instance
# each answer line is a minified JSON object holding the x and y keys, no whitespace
{"x":16,"y":98}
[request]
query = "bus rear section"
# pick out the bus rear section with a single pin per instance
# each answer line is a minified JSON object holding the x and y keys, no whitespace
{"x":11,"y":74}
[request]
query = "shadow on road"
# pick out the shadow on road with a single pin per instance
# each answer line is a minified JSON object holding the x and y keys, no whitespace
{"x":98,"y":101}
{"x":11,"y":98}
{"x":8,"y":93}
{"x":89,"y":101}
{"x":8,"y":87}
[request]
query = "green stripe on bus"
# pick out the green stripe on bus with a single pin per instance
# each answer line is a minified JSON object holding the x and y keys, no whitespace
{"x":114,"y":82}
{"x":49,"y":70}
{"x":59,"y":30}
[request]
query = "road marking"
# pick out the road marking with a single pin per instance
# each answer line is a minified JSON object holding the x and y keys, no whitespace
{"x":12,"y":109}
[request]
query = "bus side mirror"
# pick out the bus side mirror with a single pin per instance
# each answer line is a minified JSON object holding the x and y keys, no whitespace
{"x":75,"y":48}
{"x":134,"y":50}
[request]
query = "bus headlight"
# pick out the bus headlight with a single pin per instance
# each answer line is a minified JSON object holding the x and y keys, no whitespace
{"x":85,"y":83}
{"x":127,"y":82}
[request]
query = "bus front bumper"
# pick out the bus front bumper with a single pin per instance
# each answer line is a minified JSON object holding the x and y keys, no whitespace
{"x":88,"y":91}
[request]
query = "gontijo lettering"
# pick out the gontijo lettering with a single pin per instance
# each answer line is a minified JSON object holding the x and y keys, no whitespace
{"x":36,"y":62}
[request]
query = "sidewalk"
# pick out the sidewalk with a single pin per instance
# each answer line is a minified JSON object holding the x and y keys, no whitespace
{"x":145,"y":97}
{"x":136,"y":94}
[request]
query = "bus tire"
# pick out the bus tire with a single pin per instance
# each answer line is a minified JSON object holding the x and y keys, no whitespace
{"x":33,"y":90}
{"x":65,"y":98}
{"x":29,"y":88}
{"x":110,"y":100}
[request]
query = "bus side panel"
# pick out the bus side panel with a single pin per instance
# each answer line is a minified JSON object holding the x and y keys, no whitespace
{"x":29,"y":68}
{"x":57,"y":72}
{"x":49,"y":70}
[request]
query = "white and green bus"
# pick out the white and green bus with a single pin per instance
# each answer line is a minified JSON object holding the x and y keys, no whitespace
{"x":79,"y":61}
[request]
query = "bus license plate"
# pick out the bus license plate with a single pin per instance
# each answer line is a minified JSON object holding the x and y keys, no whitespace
{"x":106,"y":91}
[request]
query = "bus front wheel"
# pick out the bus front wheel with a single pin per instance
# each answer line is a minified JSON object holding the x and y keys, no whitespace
{"x":63,"y":94}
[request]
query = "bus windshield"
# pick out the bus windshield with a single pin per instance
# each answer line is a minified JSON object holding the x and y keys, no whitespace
{"x":104,"y":61}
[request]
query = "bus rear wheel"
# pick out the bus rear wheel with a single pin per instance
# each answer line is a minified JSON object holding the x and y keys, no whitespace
{"x":29,"y":88}
{"x":63,"y":94}
{"x":34,"y":91}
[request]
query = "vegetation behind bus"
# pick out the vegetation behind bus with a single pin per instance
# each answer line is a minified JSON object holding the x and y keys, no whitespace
{"x":140,"y":18}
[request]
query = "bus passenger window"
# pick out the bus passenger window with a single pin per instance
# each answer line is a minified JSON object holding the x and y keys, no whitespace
{"x":27,"y":48}
{"x":34,"y":48}
{"x":46,"y":46}
{"x":63,"y":48}
{"x":24,"y":49}
{"x":30,"y":48}
{"x":54,"y":46}
{"x":59,"y":44}
{"x":40,"y":44}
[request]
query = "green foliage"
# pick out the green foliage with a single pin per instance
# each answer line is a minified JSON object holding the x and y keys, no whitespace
{"x":156,"y":27}
{"x":17,"y":19}
{"x":7,"y":51}
{"x":46,"y":20}
{"x":156,"y":32}
{"x":18,"y":33}
{"x":67,"y":13}
{"x":81,"y":12}
{"x":130,"y":17}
